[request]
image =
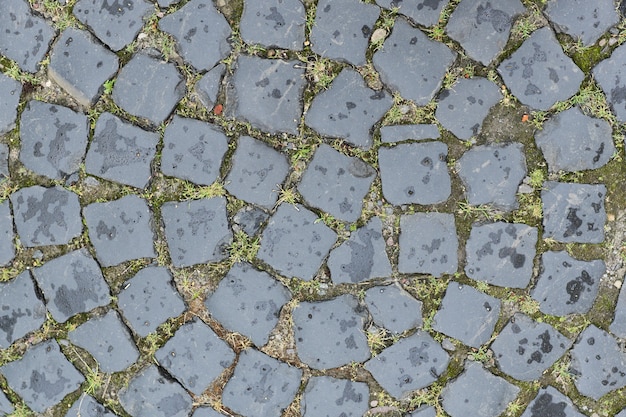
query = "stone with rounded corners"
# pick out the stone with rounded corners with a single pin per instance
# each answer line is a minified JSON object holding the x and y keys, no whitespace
{"x":422,"y":12}
{"x":7,"y":236}
{"x":610,"y":74}
{"x":22,"y":310}
{"x":326,"y":396}
{"x":549,"y":402}
{"x":273,"y":23}
{"x":393,"y":308}
{"x":581,"y":20}
{"x":400,"y":133}
{"x":10,"y":92}
{"x":87,"y":406}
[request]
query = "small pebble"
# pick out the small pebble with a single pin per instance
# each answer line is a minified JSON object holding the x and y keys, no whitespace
{"x":617,"y":284}
{"x":525,"y":189}
{"x":612,"y":41}
{"x":374,"y":403}
{"x":602,"y":42}
{"x":378,"y":35}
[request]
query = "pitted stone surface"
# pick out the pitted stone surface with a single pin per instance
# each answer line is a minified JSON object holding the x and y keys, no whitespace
{"x":400,"y":133}
{"x":336,"y":183}
{"x":249,"y":220}
{"x":581,"y":20}
{"x":274,"y":23}
{"x":409,"y":364}
{"x":428,"y":244}
{"x":10,"y":91}
{"x":328,"y":396}
{"x":501,"y":254}
{"x":467,"y":314}
{"x":22,"y":311}
{"x":393,"y":308}
{"x":341,"y":322}
{"x":87,"y":406}
{"x":207,"y":88}
{"x":415,"y":173}
{"x":7,"y":236}
{"x":423,"y":12}
{"x":567,"y":285}
{"x":573,"y":212}
{"x":248,"y":301}
{"x":412,"y":64}
{"x":195,"y":356}
{"x":610,"y":74}
{"x":257,"y":172}
{"x":538,"y":73}
{"x":618,"y":327}
{"x":549,"y":402}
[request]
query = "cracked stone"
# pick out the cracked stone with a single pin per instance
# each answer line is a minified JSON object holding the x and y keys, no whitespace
{"x":274,"y":23}
{"x":325,"y":395}
{"x":393,"y":308}
{"x":87,"y":406}
{"x":22,"y":310}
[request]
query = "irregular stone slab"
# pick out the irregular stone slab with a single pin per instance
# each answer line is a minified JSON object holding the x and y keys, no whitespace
{"x":267,"y":93}
{"x":412,"y":64}
{"x":325,"y":395}
{"x":114,"y":23}
{"x":550,"y":402}
{"x":295,"y":242}
{"x":22,"y":310}
{"x":336,"y":183}
{"x":261,"y":385}
{"x":598,"y":362}
{"x":80,"y":65}
{"x":149,"y":298}
{"x":483,"y":27}
{"x":407,"y":181}
{"x":10,"y":92}
{"x":492,"y":174}
{"x":46,"y":216}
{"x":7,"y":248}
{"x":108,"y":340}
{"x":196,"y":231}
{"x":275,"y":23}
{"x":250,"y":219}
{"x":342,"y":29}
{"x":477,"y":392}
{"x":409,"y":364}
{"x":193,"y":150}
{"x":501,"y":254}
{"x":207,"y":88}
{"x":257,"y":172}
{"x":72,"y":284}
{"x":248,"y":301}
{"x":53,"y":139}
{"x":567,"y":285}
{"x":526,"y":348}
{"x":5,"y":405}
{"x":201,"y":33}
{"x":120,"y":230}
{"x":582,"y":21}
{"x":428,"y":244}
{"x":538,"y":73}
{"x":393,"y":308}
{"x":400,"y":133}
{"x":423,"y":12}
{"x":424,"y":411}
{"x":467,"y":314}
{"x":610,"y":74}
{"x":121,"y":152}
{"x":206,"y":412}
{"x":348,"y":109}
{"x":341,"y":323}
{"x":572,"y":141}
{"x":573,"y":212}
{"x":87,"y":406}
{"x":151,"y":394}
{"x":195,"y":356}
{"x":166,"y":3}
{"x":361,"y":257}
{"x":4,"y":161}
{"x":42,"y":377}
{"x":618,"y":327}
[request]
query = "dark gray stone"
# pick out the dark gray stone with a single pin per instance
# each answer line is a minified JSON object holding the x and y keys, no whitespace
{"x":166,"y":3}
{"x":87,"y":406}
{"x":399,"y":133}
{"x":206,"y":412}
{"x":22,"y":311}
{"x":4,"y":160}
{"x":10,"y":92}
{"x":207,"y":88}
{"x":393,"y":308}
{"x":248,"y":301}
{"x":120,"y":230}
{"x":549,"y":402}
{"x":501,"y":254}
{"x":348,"y":109}
{"x":340,"y":321}
{"x":53,"y":139}
{"x":6,"y":406}
{"x":618,"y":326}
{"x":328,"y":396}
{"x":412,"y":64}
{"x":581,"y":20}
{"x":573,"y":212}
{"x":7,"y":236}
{"x":250,"y":219}
{"x":423,"y":12}
{"x":538,"y":73}
{"x":336,"y":183}
{"x":273,"y":23}
{"x":424,"y":411}
{"x":621,"y":413}
{"x":195,"y":356}
{"x":415,"y":173}
{"x":610,"y":74}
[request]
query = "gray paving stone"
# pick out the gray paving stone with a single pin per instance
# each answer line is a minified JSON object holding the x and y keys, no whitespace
{"x":492,"y":174}
{"x":80,"y":65}
{"x":618,"y":326}
{"x":72,"y":284}
{"x":273,"y":23}
{"x":248,"y":301}
{"x":10,"y":92}
{"x":166,"y":3}
{"x":342,"y":29}
{"x":428,"y":244}
{"x":328,"y":396}
{"x":149,"y":299}
{"x":295,"y":242}
{"x":610,"y":74}
{"x":550,"y":402}
{"x":424,"y":411}
{"x":406,"y":182}
{"x":207,"y":88}
{"x":482,"y":27}
{"x":361,"y":257}
{"x":5,"y":405}
{"x":22,"y":310}
{"x":87,"y":406}
{"x":206,"y":412}
{"x":341,"y":322}
{"x":538,"y":73}
{"x":467,"y":314}
{"x":4,"y":161}
{"x":7,"y":236}
{"x":400,"y":133}
{"x":261,"y":385}
{"x":46,"y":216}
{"x":196,"y":231}
{"x":249,"y":219}
{"x":581,"y":20}
{"x":120,"y":230}
{"x":201,"y":33}
{"x":53,"y":139}
{"x":412,"y":64}
{"x":152,"y":395}
{"x":409,"y":364}
{"x":621,"y":413}
{"x":573,"y":212}
{"x":423,"y":12}
{"x":108,"y":340}
{"x":567,"y":285}
{"x":501,"y":254}
{"x":195,"y":356}
{"x":348,"y":109}
{"x":42,"y":377}
{"x":257,"y":172}
{"x":336,"y":183}
{"x":393,"y":308}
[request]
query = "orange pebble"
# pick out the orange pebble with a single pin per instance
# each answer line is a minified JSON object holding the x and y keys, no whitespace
{"x":217,"y":110}
{"x":525,"y":118}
